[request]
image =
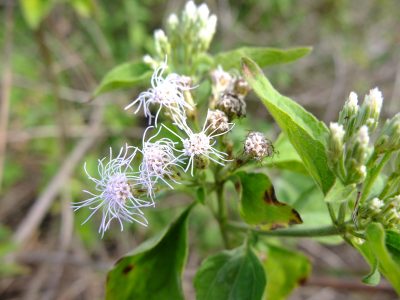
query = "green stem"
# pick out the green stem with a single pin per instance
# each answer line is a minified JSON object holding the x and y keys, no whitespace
{"x":373,"y":174}
{"x":222,"y":213}
{"x":332,"y":213}
{"x":291,"y":232}
{"x":342,"y":213}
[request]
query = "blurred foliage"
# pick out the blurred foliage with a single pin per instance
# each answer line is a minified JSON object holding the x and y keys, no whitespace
{"x":86,"y":38}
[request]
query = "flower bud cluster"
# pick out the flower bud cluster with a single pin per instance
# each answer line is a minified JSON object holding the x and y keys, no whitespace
{"x":229,"y":93}
{"x":349,"y":139}
{"x":189,"y":35}
{"x":386,"y":212}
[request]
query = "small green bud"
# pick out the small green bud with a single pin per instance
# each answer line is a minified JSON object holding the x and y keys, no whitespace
{"x":161,"y":43}
{"x":172,"y":22}
{"x":241,"y":87}
{"x":356,"y":156}
{"x":370,"y":110}
{"x":375,"y":205}
{"x":335,"y":142}
{"x":389,"y":137}
{"x":201,"y":162}
{"x":348,"y":115}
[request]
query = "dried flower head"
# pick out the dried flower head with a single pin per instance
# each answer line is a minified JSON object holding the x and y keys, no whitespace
{"x":257,"y":146}
{"x":232,"y":105}
{"x":115,"y":191}
{"x":165,"y":92}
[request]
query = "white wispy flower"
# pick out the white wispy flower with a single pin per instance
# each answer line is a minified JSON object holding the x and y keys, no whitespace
{"x":200,"y":144}
{"x":159,"y":162}
{"x":165,"y":92}
{"x":114,"y":197}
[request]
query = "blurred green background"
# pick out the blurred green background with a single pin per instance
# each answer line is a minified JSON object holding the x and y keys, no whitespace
{"x":55,"y":52}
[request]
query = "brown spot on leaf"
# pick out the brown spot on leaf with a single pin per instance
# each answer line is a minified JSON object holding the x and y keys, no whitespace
{"x":270,"y":197}
{"x":127,"y":269}
{"x":296,"y":218}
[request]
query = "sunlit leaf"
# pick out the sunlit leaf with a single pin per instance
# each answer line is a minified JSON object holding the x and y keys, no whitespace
{"x":285,"y":156}
{"x":261,"y":55}
{"x":235,"y":274}
{"x":306,"y":133}
{"x":154,"y":269}
{"x":126,"y":75}
{"x":259,"y":206}
{"x":387,"y":265}
{"x":285,"y":270}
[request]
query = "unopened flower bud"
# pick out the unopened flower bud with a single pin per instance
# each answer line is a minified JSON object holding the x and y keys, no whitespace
{"x":201,"y":162}
{"x":148,"y":60}
{"x":217,"y":121}
{"x":257,"y":146}
{"x":348,"y":114}
{"x":190,"y":11}
{"x":370,"y":110}
{"x":389,"y":138}
{"x":221,"y":80}
{"x":335,"y":143}
{"x":231,"y":105}
{"x":203,"y":13}
{"x":375,"y":205}
{"x":172,"y":22}
{"x":241,"y":87}
{"x":161,"y":43}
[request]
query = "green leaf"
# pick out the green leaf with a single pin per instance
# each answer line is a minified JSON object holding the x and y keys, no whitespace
{"x":286,"y":157}
{"x":393,"y":244}
{"x":259,"y":206}
{"x":262,"y":56}
{"x":124,"y":76}
{"x":340,"y":193}
{"x":34,"y":11}
{"x":306,"y":133}
{"x":387,"y":265}
{"x":234,"y":274}
{"x":373,"y":277}
{"x":154,"y":269}
{"x":285,"y":270}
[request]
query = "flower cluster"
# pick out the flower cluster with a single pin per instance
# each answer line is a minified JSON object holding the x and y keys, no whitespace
{"x":357,"y":159}
{"x":349,"y":140}
{"x":123,"y":190}
{"x":188,"y":35}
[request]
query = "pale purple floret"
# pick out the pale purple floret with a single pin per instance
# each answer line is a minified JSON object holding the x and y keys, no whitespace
{"x":165,"y":93}
{"x":201,"y":144}
{"x":159,"y":162}
{"x":114,"y":196}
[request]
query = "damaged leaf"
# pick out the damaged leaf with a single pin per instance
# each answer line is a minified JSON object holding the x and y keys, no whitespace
{"x":259,"y":205}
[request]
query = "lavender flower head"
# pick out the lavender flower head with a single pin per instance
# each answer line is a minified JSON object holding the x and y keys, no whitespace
{"x":159,"y":162}
{"x":165,"y":92}
{"x":115,"y":197}
{"x":201,"y":144}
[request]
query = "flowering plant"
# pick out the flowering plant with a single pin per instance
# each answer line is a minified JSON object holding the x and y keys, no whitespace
{"x":194,"y":106}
